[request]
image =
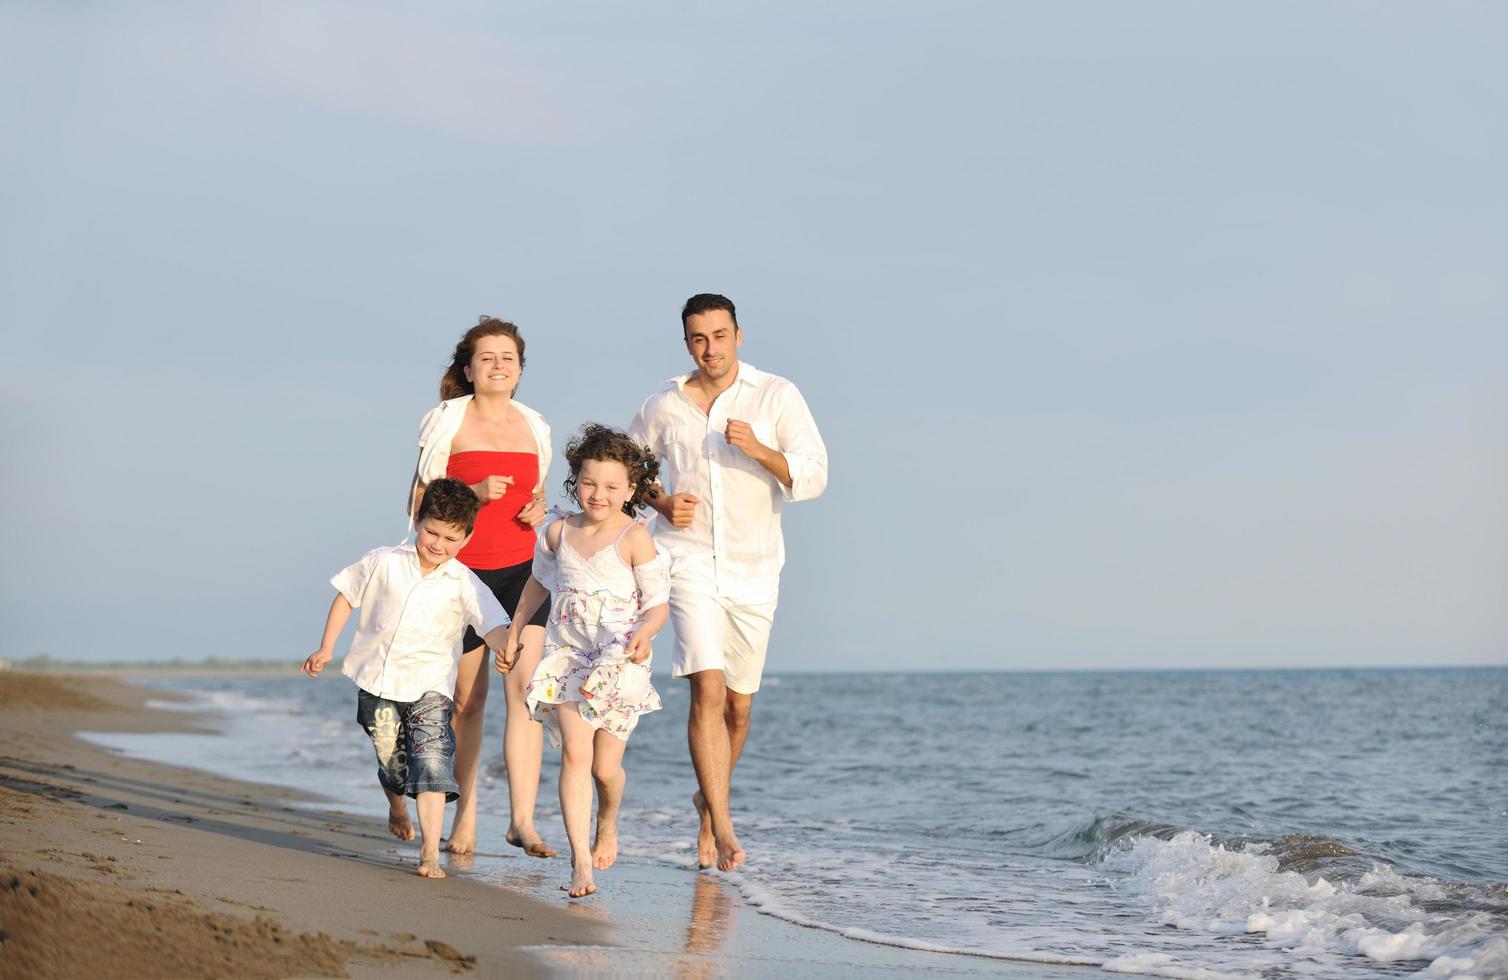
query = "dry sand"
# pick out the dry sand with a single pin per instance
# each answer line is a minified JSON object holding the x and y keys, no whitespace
{"x":114,"y":867}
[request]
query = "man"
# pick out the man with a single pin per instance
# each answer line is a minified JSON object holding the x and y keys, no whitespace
{"x":735,"y":444}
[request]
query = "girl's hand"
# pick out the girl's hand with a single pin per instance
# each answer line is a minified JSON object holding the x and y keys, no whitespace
{"x":534,"y":512}
{"x":639,"y":648}
{"x":492,"y":488}
{"x":315,"y":662}
{"x":507,"y":657}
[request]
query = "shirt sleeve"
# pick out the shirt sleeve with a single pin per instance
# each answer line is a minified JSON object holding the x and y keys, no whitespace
{"x":483,"y":612}
{"x":352,"y":580}
{"x":428,"y":423}
{"x":638,"y":429}
{"x":546,"y":566}
{"x":653,"y":579}
{"x":801,"y":444}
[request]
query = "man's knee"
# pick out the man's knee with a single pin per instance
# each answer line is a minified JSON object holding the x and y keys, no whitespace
{"x":736,"y":711}
{"x":708,"y":690}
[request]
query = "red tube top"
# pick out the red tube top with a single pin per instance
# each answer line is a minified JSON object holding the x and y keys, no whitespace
{"x":500,"y":539}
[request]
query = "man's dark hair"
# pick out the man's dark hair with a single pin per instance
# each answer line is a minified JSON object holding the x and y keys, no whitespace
{"x":706,"y":303}
{"x":450,"y":501}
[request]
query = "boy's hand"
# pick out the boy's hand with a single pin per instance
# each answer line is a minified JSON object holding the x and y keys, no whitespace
{"x":507,"y":657}
{"x":639,"y":648}
{"x":316,"y":662}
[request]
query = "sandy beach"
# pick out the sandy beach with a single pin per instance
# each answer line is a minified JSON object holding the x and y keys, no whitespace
{"x":111,"y":866}
{"x":190,"y":874}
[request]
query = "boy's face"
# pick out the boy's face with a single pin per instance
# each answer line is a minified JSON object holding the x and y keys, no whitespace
{"x":439,"y":541}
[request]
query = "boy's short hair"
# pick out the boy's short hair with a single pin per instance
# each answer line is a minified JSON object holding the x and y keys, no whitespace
{"x":450,"y":501}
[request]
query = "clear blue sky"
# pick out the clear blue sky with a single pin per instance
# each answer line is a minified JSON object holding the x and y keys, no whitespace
{"x":1141,"y":335}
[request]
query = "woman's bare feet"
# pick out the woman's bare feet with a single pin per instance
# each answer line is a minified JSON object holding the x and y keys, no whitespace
{"x":460,"y":841}
{"x":706,"y":844}
{"x":531,"y":843}
{"x":581,"y":882}
{"x":605,"y":846}
{"x":431,"y":868}
{"x":398,"y":823}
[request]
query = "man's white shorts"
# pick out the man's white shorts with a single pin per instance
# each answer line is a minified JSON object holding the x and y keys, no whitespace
{"x":716,"y":633}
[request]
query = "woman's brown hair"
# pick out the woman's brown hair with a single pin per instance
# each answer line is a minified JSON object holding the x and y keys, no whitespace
{"x":453,"y":383}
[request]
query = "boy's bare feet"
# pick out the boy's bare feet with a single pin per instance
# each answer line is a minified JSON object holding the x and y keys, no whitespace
{"x":729,"y":854}
{"x":581,"y":882}
{"x":605,"y":846}
{"x":531,"y":843}
{"x":398,"y":822}
{"x":706,"y":844}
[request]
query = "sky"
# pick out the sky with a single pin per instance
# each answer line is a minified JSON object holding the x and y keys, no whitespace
{"x":1142,"y":336}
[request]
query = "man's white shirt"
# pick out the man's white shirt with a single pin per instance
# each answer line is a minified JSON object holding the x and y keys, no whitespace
{"x":736,"y":528}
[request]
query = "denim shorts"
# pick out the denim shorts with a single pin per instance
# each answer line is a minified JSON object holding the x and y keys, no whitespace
{"x":416,"y":750}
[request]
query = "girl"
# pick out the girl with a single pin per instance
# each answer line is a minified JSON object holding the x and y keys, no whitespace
{"x":484,"y":437}
{"x":610,"y":591}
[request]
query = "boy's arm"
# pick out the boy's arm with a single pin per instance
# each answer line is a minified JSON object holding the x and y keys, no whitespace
{"x":340,"y":612}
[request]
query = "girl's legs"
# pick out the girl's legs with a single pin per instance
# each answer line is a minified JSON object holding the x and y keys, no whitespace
{"x":471,"y":698}
{"x":431,"y":821}
{"x":607,"y":772}
{"x":576,"y":794}
{"x":523,"y":742}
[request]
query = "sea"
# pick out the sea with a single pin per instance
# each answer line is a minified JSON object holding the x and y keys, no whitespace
{"x":1187,"y":824}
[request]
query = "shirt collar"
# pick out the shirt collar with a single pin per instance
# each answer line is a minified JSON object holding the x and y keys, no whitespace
{"x":450,"y":569}
{"x":748,"y":374}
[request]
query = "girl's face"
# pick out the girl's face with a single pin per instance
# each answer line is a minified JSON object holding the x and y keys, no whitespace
{"x":603,"y":487}
{"x":494,"y":367}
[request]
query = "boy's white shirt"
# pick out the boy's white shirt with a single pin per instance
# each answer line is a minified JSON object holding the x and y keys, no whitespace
{"x":409,"y":632}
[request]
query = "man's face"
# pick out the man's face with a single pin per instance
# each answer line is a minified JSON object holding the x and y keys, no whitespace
{"x":712,"y":340}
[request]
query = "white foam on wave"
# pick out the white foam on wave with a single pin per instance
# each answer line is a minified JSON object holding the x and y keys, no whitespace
{"x":1193,"y":884}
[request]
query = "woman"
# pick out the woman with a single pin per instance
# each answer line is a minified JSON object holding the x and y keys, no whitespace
{"x":501,"y":449}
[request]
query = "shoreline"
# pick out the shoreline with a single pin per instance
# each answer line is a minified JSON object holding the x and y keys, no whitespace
{"x":258,"y":852}
{"x":211,"y":874}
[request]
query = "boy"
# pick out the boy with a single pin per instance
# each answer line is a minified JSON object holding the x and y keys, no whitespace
{"x":416,"y":600}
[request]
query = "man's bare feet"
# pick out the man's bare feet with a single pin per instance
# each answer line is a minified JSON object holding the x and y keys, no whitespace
{"x":532,"y":845}
{"x":398,"y":823}
{"x":706,"y":844}
{"x":605,"y":847}
{"x":581,"y":883}
{"x":729,"y":854}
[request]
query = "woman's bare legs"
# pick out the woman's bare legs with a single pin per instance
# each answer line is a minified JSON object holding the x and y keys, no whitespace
{"x":576,"y":752}
{"x":523,"y":742}
{"x":471,"y":698}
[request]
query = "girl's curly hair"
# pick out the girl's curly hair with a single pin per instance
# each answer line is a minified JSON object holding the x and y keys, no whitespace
{"x":602,"y":443}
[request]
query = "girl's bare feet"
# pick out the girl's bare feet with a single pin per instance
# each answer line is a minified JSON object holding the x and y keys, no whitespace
{"x":605,"y":846}
{"x":531,"y":843}
{"x":581,"y":882}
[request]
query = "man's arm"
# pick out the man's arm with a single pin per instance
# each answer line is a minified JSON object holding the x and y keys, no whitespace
{"x":741,"y":435}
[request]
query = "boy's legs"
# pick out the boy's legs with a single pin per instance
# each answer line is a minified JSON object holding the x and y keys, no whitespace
{"x":607,"y":772}
{"x":576,"y":794}
{"x":382,"y":720}
{"x":431,"y":771}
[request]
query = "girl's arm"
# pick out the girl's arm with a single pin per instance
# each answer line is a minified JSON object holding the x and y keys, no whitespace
{"x":654,"y":586}
{"x":340,"y":611}
{"x":506,"y":643}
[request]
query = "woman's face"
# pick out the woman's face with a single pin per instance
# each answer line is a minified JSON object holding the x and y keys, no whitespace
{"x":494,"y":367}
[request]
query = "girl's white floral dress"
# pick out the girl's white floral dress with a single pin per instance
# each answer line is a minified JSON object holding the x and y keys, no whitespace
{"x":597,"y":603}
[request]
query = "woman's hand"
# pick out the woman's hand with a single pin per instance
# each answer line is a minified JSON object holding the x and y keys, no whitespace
{"x":535,"y":511}
{"x":492,"y":488}
{"x":639,"y":648}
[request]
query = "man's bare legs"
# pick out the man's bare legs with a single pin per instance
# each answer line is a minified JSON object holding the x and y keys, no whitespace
{"x":576,"y":750}
{"x":466,"y":721}
{"x":717,"y":729}
{"x":607,"y":772}
{"x":523,"y":743}
{"x":431,"y":822}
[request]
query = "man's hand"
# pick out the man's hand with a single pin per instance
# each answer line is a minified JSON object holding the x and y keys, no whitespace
{"x":680,"y":508}
{"x":741,"y":436}
{"x":534,"y":512}
{"x":639,"y":648}
{"x":316,"y":662}
{"x":492,"y":488}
